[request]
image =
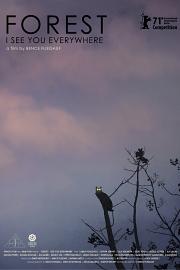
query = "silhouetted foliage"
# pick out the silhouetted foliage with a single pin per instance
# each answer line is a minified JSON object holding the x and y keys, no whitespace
{"x":153,"y":189}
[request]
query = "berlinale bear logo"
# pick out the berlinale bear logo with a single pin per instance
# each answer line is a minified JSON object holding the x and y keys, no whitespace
{"x":158,"y":23}
{"x":144,"y":22}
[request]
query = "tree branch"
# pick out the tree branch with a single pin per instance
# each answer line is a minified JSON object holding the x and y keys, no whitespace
{"x":169,"y":192}
{"x":100,"y":266}
{"x":122,"y":183}
{"x":94,"y":230}
{"x":175,"y":217}
{"x":164,"y":221}
{"x":155,"y":232}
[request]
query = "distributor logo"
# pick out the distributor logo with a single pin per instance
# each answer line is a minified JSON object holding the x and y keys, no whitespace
{"x":158,"y":23}
{"x":14,"y":243}
{"x":32,"y":240}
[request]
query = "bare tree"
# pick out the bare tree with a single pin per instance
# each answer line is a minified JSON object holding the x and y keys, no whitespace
{"x":148,"y":186}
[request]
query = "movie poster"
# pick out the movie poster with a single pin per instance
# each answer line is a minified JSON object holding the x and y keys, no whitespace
{"x":89,"y":134}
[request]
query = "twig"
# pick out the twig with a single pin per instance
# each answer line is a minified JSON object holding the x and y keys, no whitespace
{"x":100,"y":266}
{"x":121,"y":237}
{"x":117,"y":232}
{"x":129,"y":203}
{"x":158,"y":232}
{"x":164,"y":221}
{"x":122,"y":183}
{"x":118,"y":203}
{"x":142,"y":191}
{"x":94,"y":230}
{"x":170,"y":193}
{"x":143,"y":185}
{"x":175,"y":217}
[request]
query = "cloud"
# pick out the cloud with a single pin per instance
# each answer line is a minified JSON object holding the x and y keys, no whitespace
{"x":128,"y":56}
{"x":161,"y":8}
{"x":7,"y":157}
{"x":43,"y":128}
{"x":47,"y":130}
{"x":128,"y":53}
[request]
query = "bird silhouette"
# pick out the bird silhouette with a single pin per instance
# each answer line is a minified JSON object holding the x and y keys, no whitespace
{"x":104,"y":199}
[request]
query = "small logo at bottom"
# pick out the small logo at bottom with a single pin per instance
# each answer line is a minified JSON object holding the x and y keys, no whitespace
{"x":32,"y":240}
{"x":14,"y":243}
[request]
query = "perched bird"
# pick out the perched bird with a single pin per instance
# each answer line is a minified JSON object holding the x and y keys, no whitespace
{"x":140,"y":156}
{"x":104,"y":199}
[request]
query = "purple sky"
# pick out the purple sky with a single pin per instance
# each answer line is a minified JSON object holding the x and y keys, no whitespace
{"x":66,"y":117}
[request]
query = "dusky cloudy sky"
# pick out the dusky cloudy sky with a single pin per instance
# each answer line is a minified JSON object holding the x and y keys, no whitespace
{"x":66,"y":117}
